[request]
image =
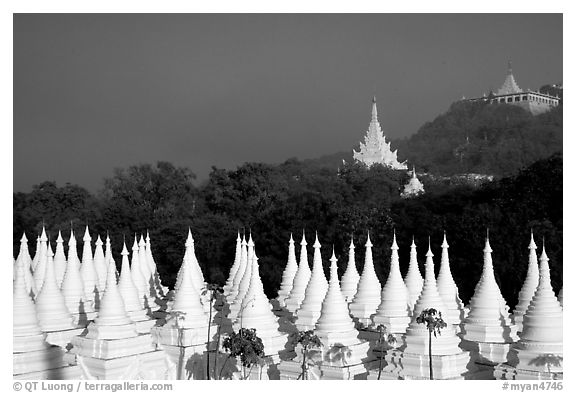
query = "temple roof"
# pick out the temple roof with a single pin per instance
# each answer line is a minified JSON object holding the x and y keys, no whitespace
{"x":510,"y":86}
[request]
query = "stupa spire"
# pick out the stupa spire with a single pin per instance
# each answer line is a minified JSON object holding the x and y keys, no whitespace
{"x":529,"y":286}
{"x":300,"y":279}
{"x":137,"y":277}
{"x":240,"y":272}
{"x":26,"y":260}
{"x":59,"y":260}
{"x":88,"y":271}
{"x":367,"y":297}
{"x":393,"y":311}
{"x":309,"y":310}
{"x":374,"y":109}
{"x":448,"y":289}
{"x":413,"y":279}
{"x":235,"y":265}
{"x":126,"y":287}
{"x":100,"y":263}
{"x":351,"y":277}
{"x":41,"y":251}
{"x":288,"y":274}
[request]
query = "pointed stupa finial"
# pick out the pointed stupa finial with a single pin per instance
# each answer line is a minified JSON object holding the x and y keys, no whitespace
{"x":414,"y":171}
{"x":352,"y":242}
{"x":532,"y":245}
{"x":510,"y":67}
{"x":250,"y":241}
{"x":147,"y":236}
{"x":316,"y":242}
{"x":487,"y":247}
{"x":99,"y":241}
{"x":333,"y":266}
{"x":444,"y":242}
{"x":238,"y":238}
{"x":124,"y":249}
{"x":413,"y":244}
{"x":291,"y":241}
{"x":24,"y":239}
{"x":429,"y":253}
{"x":303,"y":242}
{"x":368,"y":242}
{"x":87,"y":237}
{"x":189,"y":239}
{"x":43,"y":236}
{"x":59,"y":238}
{"x":394,"y":244}
{"x":374,"y":109}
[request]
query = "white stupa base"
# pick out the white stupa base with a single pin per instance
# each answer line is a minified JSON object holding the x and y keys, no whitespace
{"x":292,"y":370}
{"x":190,"y":359}
{"x":111,"y":349}
{"x":538,"y":357}
{"x":63,"y":337}
{"x":60,"y":373}
{"x":36,"y":361}
{"x":83,"y":319}
{"x":416,"y":366}
{"x":306,"y":319}
{"x":144,"y":327}
{"x":394,"y":325}
{"x":169,"y":335}
{"x":486,"y":352}
{"x":505,"y":371}
{"x":455,"y":316}
{"x":114,"y":332}
{"x":362,"y":313}
{"x":143,"y":365}
{"x":488,"y":333}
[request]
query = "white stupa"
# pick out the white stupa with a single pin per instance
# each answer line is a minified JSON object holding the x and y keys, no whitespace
{"x":26,"y":260}
{"x":88,"y":271}
{"x":309,"y":311}
{"x":112,"y":347}
{"x":73,"y":288}
{"x":41,"y":252}
{"x":301,"y":279}
{"x":155,"y":301}
{"x":288,"y":274}
{"x":36,"y":257}
{"x":30,"y":352}
{"x":235,"y":265}
{"x":132,"y":302}
{"x":53,"y":315}
{"x":529,"y":286}
{"x":100,"y":264}
{"x":413,"y":279}
{"x":161,"y":290}
{"x":137,"y":277}
{"x":256,"y":312}
{"x":394,"y":310}
{"x":488,"y":329}
{"x":59,"y":260}
{"x":244,"y":284}
{"x":448,"y":290}
{"x":411,"y":360}
{"x":539,"y":352}
{"x":195,"y":271}
{"x":342,"y":354}
{"x":242,"y":263}
{"x":350,"y":277}
{"x":414,"y":187}
{"x":367,"y":298}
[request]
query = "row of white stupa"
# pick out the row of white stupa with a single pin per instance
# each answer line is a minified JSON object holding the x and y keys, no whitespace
{"x":136,"y":329}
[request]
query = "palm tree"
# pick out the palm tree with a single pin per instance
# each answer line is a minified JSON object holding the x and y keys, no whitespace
{"x":434,"y":324}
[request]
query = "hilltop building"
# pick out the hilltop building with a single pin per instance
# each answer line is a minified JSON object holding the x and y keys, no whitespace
{"x":534,"y":102}
{"x":375,"y":149}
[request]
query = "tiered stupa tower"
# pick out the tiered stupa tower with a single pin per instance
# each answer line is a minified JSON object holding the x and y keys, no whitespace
{"x":375,"y":149}
{"x":367,"y":298}
{"x":100,"y":264}
{"x":414,"y":187}
{"x":40,"y":267}
{"x":342,"y":354}
{"x":235,"y":265}
{"x":309,"y":311}
{"x":88,"y":271}
{"x":449,"y":291}
{"x":26,"y":260}
{"x":73,"y":288}
{"x":488,"y":330}
{"x":529,"y":286}
{"x":411,"y":360}
{"x":112,"y":347}
{"x":32,"y":357}
{"x":132,"y":302}
{"x":351,"y":277}
{"x":233,"y":289}
{"x":539,"y":352}
{"x":59,"y":260}
{"x":413,"y":279}
{"x":394,"y":310}
{"x":301,"y":279}
{"x":288,"y":274}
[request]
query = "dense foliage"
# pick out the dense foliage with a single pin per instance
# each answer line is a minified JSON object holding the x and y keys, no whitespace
{"x":478,"y":137}
{"x":273,"y":201}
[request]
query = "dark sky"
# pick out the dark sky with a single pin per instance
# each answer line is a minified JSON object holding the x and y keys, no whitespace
{"x":97,"y":91}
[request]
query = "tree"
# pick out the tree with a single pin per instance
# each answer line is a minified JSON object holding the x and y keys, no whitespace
{"x":247,"y":346}
{"x":215,"y":291}
{"x":434,"y":323}
{"x":308,"y":340}
{"x":384,"y":340}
